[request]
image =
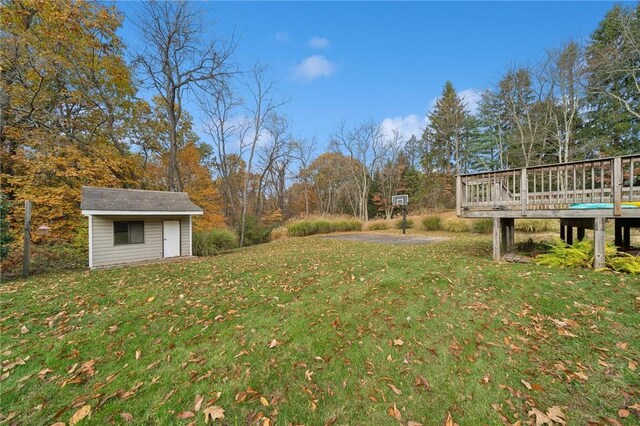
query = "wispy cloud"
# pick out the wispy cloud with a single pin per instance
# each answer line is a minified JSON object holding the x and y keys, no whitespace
{"x":314,"y":67}
{"x":282,"y":37}
{"x":318,"y":43}
{"x":405,"y":126}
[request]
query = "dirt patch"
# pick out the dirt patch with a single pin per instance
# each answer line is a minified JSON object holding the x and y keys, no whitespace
{"x":407,"y":240}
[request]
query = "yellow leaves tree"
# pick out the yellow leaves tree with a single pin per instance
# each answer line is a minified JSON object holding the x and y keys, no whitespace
{"x":66,"y":97}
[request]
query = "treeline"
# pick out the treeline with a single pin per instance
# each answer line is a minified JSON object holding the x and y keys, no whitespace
{"x":72,"y":116}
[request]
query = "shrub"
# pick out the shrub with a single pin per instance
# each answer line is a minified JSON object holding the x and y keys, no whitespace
{"x":455,"y":224}
{"x":579,"y":254}
{"x":432,"y":223}
{"x":5,"y":236}
{"x":255,"y":232}
{"x":624,"y":262}
{"x":536,"y":225}
{"x":207,"y":243}
{"x":409,"y":224}
{"x":483,"y":226}
{"x":379,"y":225}
{"x":279,"y":232}
{"x":302,"y":228}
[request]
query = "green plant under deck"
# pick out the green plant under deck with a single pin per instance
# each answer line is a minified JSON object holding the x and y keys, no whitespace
{"x":309,"y":330}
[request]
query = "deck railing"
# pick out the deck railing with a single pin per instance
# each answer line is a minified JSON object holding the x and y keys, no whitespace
{"x":557,"y":186}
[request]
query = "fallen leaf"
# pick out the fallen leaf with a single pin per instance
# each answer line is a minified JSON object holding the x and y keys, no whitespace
{"x":212,"y":413}
{"x":398,"y":342}
{"x":198,"y":405}
{"x":138,"y":354}
{"x":622,"y":345}
{"x":526,"y":384}
{"x":24,"y":330}
{"x":185,"y":415}
{"x":449,"y":420}
{"x":622,"y":413}
{"x":555,"y":414}
{"x":150,"y":299}
{"x":394,"y":389}
{"x":632,"y":365}
{"x":273,"y":344}
{"x":422,"y":382}
{"x":394,"y":412}
{"x":80,"y":414}
{"x":264,"y":401}
{"x":127,"y":417}
{"x":611,"y":421}
{"x":412,"y":423}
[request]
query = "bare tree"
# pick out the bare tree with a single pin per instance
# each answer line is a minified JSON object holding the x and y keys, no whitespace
{"x":222,"y":124}
{"x":261,"y":108}
{"x":304,"y":150}
{"x":390,"y":172}
{"x":177,"y":60}
{"x":565,"y":74}
{"x":366,"y":145}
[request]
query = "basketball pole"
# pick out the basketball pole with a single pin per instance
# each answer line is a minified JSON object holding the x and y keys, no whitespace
{"x":404,"y":219}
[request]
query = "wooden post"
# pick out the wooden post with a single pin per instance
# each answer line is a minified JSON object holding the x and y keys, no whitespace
{"x":598,"y":243}
{"x":580,"y":233}
{"x":616,"y":186}
{"x":569,"y":235}
{"x":562,"y":231}
{"x":26,"y":246}
{"x":626,"y":245}
{"x":508,"y":229}
{"x":617,"y":239}
{"x":524,"y":190}
{"x":496,"y":239}
{"x":459,"y":195}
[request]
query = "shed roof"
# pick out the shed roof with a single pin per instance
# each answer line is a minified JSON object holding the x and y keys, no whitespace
{"x":109,"y":200}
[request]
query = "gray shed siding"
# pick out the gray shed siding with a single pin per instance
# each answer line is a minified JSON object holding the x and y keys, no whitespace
{"x":105,"y":253}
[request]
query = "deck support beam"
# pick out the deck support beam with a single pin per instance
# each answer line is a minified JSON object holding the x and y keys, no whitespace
{"x":599,"y":243}
{"x":503,"y":236}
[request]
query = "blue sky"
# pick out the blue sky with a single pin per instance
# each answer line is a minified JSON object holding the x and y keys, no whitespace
{"x":386,"y":61}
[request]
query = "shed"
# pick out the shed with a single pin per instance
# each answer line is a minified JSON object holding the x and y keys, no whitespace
{"x":129,"y":225}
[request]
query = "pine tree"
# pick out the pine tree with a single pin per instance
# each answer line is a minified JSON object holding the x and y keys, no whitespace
{"x":447,"y":136}
{"x":613,"y":57}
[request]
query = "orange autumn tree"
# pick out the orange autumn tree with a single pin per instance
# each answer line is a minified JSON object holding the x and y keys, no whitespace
{"x":67,"y":93}
{"x":152,"y":139}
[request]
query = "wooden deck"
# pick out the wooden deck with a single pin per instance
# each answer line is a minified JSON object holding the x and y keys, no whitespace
{"x":556,"y":191}
{"x":550,"y":191}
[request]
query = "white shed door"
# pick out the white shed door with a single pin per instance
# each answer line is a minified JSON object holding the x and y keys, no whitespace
{"x":171,"y":231}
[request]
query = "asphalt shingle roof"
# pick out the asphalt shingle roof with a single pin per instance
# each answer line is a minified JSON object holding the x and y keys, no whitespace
{"x":110,"y":199}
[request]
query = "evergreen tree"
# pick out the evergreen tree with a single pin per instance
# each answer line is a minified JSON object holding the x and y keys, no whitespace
{"x":613,"y":92}
{"x":447,"y":136}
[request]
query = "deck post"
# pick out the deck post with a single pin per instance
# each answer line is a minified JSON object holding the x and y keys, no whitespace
{"x":569,"y":239}
{"x":580,"y":233}
{"x":616,"y":186}
{"x":626,"y":242}
{"x":598,"y":243}
{"x":496,"y":239}
{"x":524,"y":189}
{"x":617,"y":239}
{"x":562,"y":232}
{"x":508,"y":231}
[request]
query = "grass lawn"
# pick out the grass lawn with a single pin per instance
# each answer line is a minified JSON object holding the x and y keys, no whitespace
{"x":314,"y":331}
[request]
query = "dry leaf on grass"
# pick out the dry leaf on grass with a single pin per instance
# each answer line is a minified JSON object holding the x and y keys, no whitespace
{"x":394,"y":412}
{"x":127,"y":417}
{"x":212,"y":413}
{"x":394,"y":389}
{"x":186,"y":415}
{"x":79,"y":415}
{"x":199,"y":401}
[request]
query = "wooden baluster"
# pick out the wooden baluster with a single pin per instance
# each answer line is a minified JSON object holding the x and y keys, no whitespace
{"x":616,"y":185}
{"x":574,"y":186}
{"x":584,"y":180}
{"x":593,"y":183}
{"x":601,"y":182}
{"x":631,"y":178}
{"x":524,"y":189}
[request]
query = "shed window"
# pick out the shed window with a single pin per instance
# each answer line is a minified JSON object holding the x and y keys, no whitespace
{"x":128,"y":232}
